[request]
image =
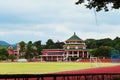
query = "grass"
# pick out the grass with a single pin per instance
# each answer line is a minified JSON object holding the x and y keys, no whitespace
{"x":43,"y":67}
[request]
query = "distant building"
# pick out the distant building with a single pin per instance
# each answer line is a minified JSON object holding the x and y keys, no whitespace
{"x":14,"y":50}
{"x":74,"y":47}
{"x":53,"y":54}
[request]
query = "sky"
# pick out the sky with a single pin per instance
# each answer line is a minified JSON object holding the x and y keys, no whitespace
{"x":33,"y":20}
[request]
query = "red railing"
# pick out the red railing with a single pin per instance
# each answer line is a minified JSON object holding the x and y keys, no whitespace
{"x":99,"y":76}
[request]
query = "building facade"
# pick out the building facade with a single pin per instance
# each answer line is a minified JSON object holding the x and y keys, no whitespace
{"x":13,"y":50}
{"x":74,"y":47}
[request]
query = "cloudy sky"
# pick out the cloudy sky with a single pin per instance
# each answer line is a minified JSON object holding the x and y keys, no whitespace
{"x":32,"y":20}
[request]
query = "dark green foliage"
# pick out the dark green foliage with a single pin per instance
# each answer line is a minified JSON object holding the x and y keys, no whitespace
{"x":3,"y":54}
{"x":92,"y":43}
{"x":59,"y":45}
{"x":116,"y":43}
{"x":102,"y":51}
{"x":29,"y":50}
{"x":12,"y":57}
{"x":50,"y":44}
{"x":103,"y":47}
{"x":104,"y":42}
{"x":38,"y":47}
{"x":22,"y":49}
{"x":100,"y":4}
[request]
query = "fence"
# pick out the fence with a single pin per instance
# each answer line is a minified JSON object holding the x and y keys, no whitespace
{"x":85,"y":76}
{"x":115,"y":56}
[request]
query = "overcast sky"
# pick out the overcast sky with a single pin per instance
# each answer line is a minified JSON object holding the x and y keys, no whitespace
{"x":32,"y":20}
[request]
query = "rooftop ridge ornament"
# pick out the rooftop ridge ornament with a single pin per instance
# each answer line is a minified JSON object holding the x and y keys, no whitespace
{"x":74,"y":33}
{"x":74,"y":37}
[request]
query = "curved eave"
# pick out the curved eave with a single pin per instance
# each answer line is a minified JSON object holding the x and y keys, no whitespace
{"x":74,"y":37}
{"x":74,"y":40}
{"x":74,"y":45}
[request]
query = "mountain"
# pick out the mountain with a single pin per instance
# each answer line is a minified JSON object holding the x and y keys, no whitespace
{"x":4,"y":43}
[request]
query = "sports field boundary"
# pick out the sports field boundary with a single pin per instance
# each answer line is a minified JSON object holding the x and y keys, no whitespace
{"x":102,"y":73}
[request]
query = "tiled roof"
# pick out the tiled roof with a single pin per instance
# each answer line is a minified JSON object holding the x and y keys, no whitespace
{"x":74,"y":37}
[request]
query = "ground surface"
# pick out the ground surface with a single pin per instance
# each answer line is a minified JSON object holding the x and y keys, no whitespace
{"x":45,"y":67}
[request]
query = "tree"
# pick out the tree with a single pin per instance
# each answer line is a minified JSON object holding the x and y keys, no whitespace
{"x":22,"y":48}
{"x":29,"y":51}
{"x":104,"y":42}
{"x":91,"y":43}
{"x":50,"y":44}
{"x":100,"y":4}
{"x":38,"y":46}
{"x":59,"y":45}
{"x":116,"y":43}
{"x":12,"y":57}
{"x":117,"y":46}
{"x":3,"y":54}
{"x":103,"y":51}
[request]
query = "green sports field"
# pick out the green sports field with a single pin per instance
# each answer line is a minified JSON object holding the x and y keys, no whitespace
{"x":44,"y":67}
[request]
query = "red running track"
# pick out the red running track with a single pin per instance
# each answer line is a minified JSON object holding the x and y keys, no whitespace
{"x":111,"y":69}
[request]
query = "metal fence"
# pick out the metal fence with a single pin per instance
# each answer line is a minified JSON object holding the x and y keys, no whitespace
{"x":85,"y":76}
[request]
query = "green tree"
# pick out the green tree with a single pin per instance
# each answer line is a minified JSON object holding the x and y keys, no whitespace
{"x":91,"y":43}
{"x":38,"y":47}
{"x":29,"y":51}
{"x":50,"y":44}
{"x":3,"y":54}
{"x":59,"y":45}
{"x":103,"y":51}
{"x":22,"y":49}
{"x":93,"y":52}
{"x":104,"y":42}
{"x":12,"y":57}
{"x":100,"y":4}
{"x":116,"y":43}
{"x":117,"y":46}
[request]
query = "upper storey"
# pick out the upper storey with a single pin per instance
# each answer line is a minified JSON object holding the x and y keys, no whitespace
{"x":74,"y":39}
{"x":74,"y":42}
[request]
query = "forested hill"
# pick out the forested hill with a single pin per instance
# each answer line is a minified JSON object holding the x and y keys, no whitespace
{"x":103,"y":47}
{"x":4,"y":43}
{"x":94,"y":43}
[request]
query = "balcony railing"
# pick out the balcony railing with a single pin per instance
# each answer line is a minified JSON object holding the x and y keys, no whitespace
{"x":76,"y":43}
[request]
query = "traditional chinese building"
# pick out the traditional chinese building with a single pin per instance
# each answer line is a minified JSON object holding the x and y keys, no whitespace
{"x":74,"y":47}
